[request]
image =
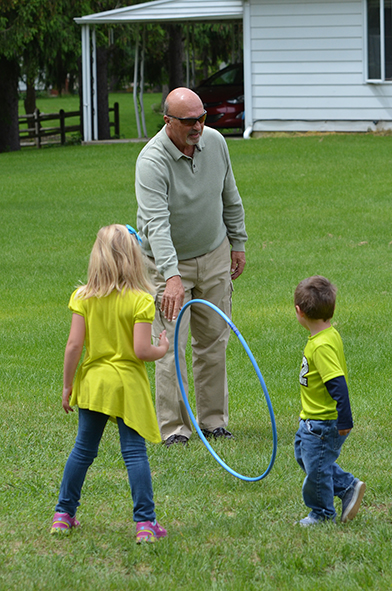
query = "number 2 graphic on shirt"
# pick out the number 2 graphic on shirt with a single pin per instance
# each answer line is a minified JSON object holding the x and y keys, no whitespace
{"x":304,"y":370}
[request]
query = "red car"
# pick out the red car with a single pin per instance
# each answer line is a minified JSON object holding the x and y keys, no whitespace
{"x":223,"y":97}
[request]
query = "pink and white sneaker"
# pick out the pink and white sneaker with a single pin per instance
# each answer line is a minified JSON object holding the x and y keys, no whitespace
{"x":149,"y":531}
{"x":63,"y":523}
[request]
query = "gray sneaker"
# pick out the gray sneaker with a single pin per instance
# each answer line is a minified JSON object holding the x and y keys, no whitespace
{"x":352,"y":500}
{"x":309,"y":520}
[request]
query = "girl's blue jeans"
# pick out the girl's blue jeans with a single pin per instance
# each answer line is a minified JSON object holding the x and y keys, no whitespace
{"x":317,"y":447}
{"x":133,"y":449}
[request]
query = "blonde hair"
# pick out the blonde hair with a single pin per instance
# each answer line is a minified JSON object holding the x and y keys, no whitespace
{"x":116,"y":262}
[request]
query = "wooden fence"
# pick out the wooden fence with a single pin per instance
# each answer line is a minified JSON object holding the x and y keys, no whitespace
{"x":35,"y":134}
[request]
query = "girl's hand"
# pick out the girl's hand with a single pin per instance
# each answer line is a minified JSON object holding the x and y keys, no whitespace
{"x":66,"y":396}
{"x":163,"y":341}
{"x":144,"y":349}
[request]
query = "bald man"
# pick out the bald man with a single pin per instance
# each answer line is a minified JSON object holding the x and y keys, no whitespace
{"x":191,"y":221}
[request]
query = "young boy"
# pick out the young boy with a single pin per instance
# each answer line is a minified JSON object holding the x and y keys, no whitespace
{"x":325,"y":418}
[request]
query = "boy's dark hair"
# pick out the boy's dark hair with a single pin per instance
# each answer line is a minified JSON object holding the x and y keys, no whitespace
{"x":316,"y":297}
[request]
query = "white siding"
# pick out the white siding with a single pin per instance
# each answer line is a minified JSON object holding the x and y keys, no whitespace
{"x":308,"y":67}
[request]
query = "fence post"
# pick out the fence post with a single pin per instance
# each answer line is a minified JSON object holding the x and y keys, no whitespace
{"x":116,"y":120}
{"x":62,"y":126}
{"x":37,"y":126}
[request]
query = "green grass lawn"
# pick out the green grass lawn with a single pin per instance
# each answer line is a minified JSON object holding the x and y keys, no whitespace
{"x":317,"y":204}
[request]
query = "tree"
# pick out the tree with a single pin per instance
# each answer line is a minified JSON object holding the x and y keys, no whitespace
{"x":17,"y":28}
{"x":102,"y":94}
{"x":40,"y":35}
{"x":175,"y":56}
{"x":9,"y":126}
{"x":40,"y":38}
{"x":215,"y":43}
{"x":29,"y":36}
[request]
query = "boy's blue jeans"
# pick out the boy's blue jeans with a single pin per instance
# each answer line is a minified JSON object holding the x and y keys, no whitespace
{"x":317,"y":446}
{"x":133,"y":449}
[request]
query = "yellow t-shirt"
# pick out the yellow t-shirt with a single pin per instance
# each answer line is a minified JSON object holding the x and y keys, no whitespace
{"x":111,"y":379}
{"x":323,"y":360}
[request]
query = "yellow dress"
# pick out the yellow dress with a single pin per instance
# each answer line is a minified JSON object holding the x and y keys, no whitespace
{"x":111,"y":379}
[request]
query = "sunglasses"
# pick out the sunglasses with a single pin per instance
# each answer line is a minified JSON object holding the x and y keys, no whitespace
{"x":190,"y":121}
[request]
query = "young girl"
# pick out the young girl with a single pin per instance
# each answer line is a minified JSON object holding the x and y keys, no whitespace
{"x":112,"y":316}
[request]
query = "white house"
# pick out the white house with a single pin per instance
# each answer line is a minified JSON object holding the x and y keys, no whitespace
{"x":322,"y":65}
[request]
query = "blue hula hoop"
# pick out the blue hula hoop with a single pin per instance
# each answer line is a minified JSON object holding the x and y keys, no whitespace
{"x":261,"y":380}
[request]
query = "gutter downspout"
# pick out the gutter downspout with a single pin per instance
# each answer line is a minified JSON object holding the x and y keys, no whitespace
{"x":248,"y":132}
{"x":247,"y":72}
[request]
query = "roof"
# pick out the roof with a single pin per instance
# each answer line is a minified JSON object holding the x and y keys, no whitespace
{"x":168,"y":10}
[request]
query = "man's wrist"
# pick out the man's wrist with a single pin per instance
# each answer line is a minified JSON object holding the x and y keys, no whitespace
{"x":174,"y":277}
{"x":170,"y":271}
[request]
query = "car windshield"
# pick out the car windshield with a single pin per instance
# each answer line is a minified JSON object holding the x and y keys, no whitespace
{"x":228,"y":76}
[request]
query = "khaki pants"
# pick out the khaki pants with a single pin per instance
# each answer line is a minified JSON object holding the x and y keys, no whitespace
{"x":205,"y":277}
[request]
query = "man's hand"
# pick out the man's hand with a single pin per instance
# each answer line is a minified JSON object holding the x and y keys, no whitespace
{"x":238,"y":263}
{"x":173,"y":298}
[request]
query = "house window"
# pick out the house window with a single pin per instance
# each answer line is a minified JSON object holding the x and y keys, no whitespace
{"x":379,"y":39}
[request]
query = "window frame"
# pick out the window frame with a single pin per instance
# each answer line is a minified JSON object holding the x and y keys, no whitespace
{"x":382,"y":79}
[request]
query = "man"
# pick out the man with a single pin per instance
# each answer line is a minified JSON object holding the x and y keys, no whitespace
{"x":191,"y":221}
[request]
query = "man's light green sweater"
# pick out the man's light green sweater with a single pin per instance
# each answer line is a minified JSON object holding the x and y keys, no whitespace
{"x":186,"y":206}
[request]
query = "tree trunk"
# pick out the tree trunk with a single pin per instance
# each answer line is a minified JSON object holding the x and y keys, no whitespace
{"x":165,"y":92}
{"x":30,"y":102}
{"x":176,"y":72}
{"x":9,"y":124}
{"x":103,"y":94}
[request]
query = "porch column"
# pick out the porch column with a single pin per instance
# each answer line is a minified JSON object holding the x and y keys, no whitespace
{"x":135,"y":84}
{"x":86,"y":81}
{"x":94,"y":81}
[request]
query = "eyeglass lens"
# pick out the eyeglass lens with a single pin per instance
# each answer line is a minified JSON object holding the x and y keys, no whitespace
{"x":190,"y":121}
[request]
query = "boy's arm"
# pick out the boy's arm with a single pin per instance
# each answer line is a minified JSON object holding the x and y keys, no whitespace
{"x":338,"y":390}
